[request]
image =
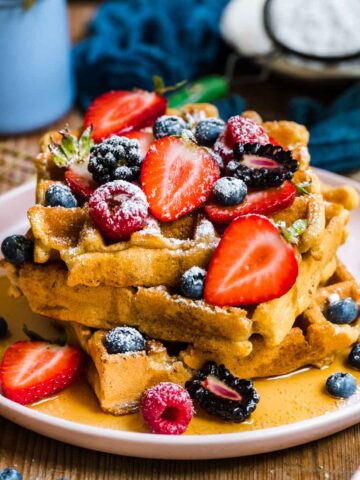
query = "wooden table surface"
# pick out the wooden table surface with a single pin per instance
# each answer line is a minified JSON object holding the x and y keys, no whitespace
{"x":39,"y":458}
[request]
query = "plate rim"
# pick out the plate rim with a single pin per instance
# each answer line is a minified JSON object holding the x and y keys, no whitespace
{"x":302,"y":431}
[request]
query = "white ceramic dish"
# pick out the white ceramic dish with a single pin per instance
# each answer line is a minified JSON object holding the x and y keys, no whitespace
{"x":13,"y":206}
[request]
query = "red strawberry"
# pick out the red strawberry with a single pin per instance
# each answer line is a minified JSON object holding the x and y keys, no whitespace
{"x":177,"y":177}
{"x":252,"y":264}
{"x":80,"y":181}
{"x":121,"y":111}
{"x":145,"y":140}
{"x":31,"y":371}
{"x":263,"y":202}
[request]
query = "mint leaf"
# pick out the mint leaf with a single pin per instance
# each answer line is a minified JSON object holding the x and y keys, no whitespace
{"x":292,"y":233}
{"x":301,"y":188}
{"x":160,"y":87}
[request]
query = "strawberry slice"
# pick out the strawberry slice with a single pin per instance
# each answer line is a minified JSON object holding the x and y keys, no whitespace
{"x":252,"y":264}
{"x":177,"y":177}
{"x":121,"y":111}
{"x":263,"y":202}
{"x":80,"y":181}
{"x":31,"y":371}
{"x":145,"y":140}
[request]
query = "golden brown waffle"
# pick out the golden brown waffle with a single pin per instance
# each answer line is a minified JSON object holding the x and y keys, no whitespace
{"x":119,"y":380}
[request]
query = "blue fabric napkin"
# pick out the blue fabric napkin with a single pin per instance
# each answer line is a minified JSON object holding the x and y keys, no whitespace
{"x":334,"y":130}
{"x":132,"y":40}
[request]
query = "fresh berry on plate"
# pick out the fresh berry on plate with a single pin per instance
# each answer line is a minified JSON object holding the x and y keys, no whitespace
{"x":252,"y":264}
{"x":10,"y":474}
{"x":58,"y":195}
{"x":116,"y":158}
{"x":262,"y":166}
{"x":221,"y":394}
{"x":124,"y":340}
{"x":167,"y":409}
{"x":145,"y":139}
{"x":208,"y":130}
{"x":342,"y":311}
{"x":225,"y":151}
{"x":4,"y":329}
{"x":121,"y":111}
{"x":192,"y":283}
{"x":354,"y":356}
{"x":80,"y":181}
{"x":118,"y":209}
{"x":263,"y":202}
{"x":243,"y":130}
{"x":17,"y":249}
{"x":177,"y":177}
{"x":167,"y":125}
{"x":31,"y":371}
{"x":341,"y":385}
{"x":229,"y":191}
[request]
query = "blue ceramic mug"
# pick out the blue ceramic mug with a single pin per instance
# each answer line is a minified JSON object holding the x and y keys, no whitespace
{"x":36,"y":82}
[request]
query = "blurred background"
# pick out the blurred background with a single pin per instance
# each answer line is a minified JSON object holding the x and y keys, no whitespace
{"x":290,"y":59}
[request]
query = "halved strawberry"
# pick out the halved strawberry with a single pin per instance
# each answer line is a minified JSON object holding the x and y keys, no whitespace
{"x":145,"y":140}
{"x":252,"y":264}
{"x":263,"y":202}
{"x":121,"y":111}
{"x":80,"y":181}
{"x":31,"y":371}
{"x":177,"y":177}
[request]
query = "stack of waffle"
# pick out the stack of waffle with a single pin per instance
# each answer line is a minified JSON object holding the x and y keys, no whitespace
{"x":78,"y":279}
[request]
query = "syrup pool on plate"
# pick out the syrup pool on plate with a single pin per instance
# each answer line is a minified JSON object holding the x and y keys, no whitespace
{"x":286,"y":399}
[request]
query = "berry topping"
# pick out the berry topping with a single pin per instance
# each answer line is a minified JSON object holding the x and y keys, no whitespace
{"x":3,"y":327}
{"x":354,"y":356}
{"x":177,"y":177}
{"x":118,"y":209}
{"x":17,"y":249}
{"x":121,"y":111}
{"x":229,"y":191}
{"x":251,"y":264}
{"x":116,"y":158}
{"x":58,"y":195}
{"x":145,"y":139}
{"x":80,"y":181}
{"x":225,"y":151}
{"x":10,"y":474}
{"x":263,"y":202}
{"x":192,"y":283}
{"x":243,"y":130}
{"x":262,"y":166}
{"x":167,"y":409}
{"x":31,"y":371}
{"x":208,"y":130}
{"x":168,"y":125}
{"x":342,"y":311}
{"x":71,"y":149}
{"x":223,"y":395}
{"x":341,"y":385}
{"x":124,"y":340}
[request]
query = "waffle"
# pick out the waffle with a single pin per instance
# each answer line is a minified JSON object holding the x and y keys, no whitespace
{"x":119,"y":380}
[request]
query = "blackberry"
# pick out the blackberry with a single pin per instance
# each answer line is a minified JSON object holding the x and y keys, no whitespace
{"x":124,"y":340}
{"x":208,"y":130}
{"x":223,"y":395}
{"x":58,"y":195}
{"x":192,"y":283}
{"x":17,"y":249}
{"x":229,"y":191}
{"x":262,"y":166}
{"x":116,"y":158}
{"x":167,"y":125}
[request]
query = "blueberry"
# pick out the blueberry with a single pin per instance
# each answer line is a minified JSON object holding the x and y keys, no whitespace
{"x":3,"y":327}
{"x":341,"y":385}
{"x":10,"y":474}
{"x":342,"y":311}
{"x":229,"y":191}
{"x":168,"y":125}
{"x":58,"y":195}
{"x":124,"y":340}
{"x":192,"y":283}
{"x":354,"y":356}
{"x":17,"y":249}
{"x":208,"y":130}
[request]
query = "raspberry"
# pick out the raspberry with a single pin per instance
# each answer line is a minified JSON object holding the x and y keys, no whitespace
{"x":118,"y":209}
{"x":243,"y":130}
{"x":167,"y":409}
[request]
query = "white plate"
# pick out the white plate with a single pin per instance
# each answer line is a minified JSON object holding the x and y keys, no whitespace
{"x":13,"y":206}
